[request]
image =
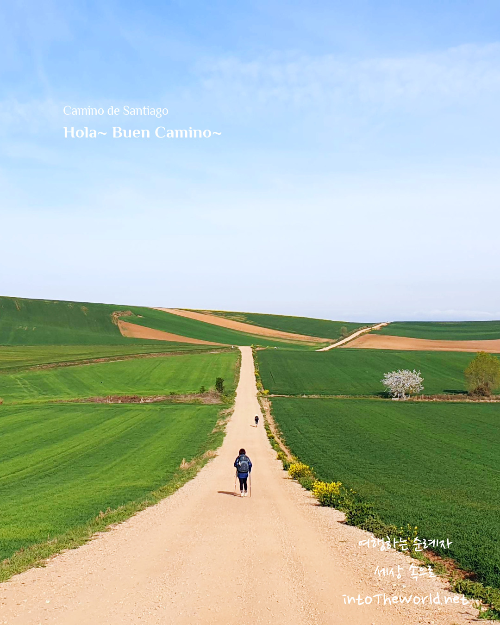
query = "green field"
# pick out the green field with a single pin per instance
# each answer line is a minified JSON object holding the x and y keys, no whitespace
{"x":141,"y":376}
{"x":16,"y":357}
{"x":357,"y":371}
{"x":322,"y":328}
{"x":444,"y":330}
{"x":61,"y":465}
{"x":434,"y":465}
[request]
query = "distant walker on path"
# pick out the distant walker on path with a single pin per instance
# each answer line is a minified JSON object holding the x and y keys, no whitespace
{"x":256,"y":419}
{"x":243,"y":466}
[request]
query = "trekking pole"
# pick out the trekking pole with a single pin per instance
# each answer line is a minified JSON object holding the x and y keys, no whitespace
{"x":235,"y":478}
{"x":250,"y":476}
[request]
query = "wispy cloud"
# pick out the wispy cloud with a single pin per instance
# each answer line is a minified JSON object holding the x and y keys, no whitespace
{"x":466,"y":71}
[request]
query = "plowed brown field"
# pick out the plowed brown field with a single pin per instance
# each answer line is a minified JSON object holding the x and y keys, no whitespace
{"x":385,"y":341}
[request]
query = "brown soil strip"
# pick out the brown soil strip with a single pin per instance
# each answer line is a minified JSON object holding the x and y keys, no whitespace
{"x":452,"y":569}
{"x":133,"y":331}
{"x":240,"y":326}
{"x":459,"y":397}
{"x":210,"y":397}
{"x":381,"y":341}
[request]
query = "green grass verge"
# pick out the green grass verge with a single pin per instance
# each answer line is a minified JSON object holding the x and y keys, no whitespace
{"x":357,"y":371}
{"x":430,"y":465}
{"x":68,"y":471}
{"x":141,"y":376}
{"x":446,"y":330}
{"x":322,"y":328}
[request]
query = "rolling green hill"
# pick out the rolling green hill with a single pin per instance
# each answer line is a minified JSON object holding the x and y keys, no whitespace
{"x":444,"y":330}
{"x":322,"y":328}
{"x":46,"y":322}
{"x":357,"y":371}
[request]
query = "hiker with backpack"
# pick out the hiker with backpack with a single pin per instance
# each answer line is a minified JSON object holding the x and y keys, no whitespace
{"x":256,"y":420}
{"x":243,"y":466}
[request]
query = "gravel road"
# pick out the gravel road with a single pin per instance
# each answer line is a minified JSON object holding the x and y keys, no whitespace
{"x":206,"y":556}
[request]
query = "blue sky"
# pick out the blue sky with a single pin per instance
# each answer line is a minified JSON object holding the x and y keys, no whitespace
{"x":355,"y":177}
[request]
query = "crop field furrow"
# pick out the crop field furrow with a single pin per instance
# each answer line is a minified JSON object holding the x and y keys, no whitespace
{"x":119,"y":454}
{"x":56,"y":454}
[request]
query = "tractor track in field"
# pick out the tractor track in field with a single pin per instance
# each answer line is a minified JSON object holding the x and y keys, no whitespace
{"x":206,"y":556}
{"x":101,"y":359}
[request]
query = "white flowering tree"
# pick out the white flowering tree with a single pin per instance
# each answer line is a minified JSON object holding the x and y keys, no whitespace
{"x":403,"y":382}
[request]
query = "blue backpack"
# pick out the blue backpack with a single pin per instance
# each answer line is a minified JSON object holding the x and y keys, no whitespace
{"x":243,"y":464}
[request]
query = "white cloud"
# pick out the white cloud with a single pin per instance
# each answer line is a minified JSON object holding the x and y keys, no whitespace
{"x":466,"y":72}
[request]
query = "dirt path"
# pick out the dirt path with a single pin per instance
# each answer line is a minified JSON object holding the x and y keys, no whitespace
{"x":205,"y":556}
{"x":241,"y":326}
{"x":386,"y":341}
{"x":353,"y":336}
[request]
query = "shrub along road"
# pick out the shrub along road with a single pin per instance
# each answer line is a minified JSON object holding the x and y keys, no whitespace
{"x":206,"y":556}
